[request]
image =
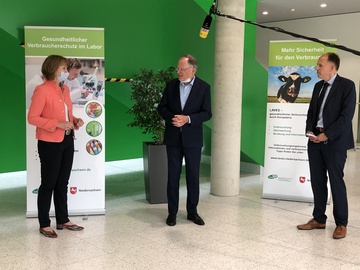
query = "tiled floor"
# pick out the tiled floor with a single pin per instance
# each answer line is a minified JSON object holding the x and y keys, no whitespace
{"x":242,"y":232}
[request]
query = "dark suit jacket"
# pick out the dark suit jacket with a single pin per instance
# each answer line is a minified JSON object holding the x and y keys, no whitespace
{"x":198,"y":107}
{"x":337,"y":114}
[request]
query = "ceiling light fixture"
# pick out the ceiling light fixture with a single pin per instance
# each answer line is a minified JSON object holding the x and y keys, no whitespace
{"x":292,"y":10}
{"x":323,"y":5}
{"x":265,"y":13}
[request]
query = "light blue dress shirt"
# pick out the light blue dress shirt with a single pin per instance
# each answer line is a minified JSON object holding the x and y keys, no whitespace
{"x":320,"y":122}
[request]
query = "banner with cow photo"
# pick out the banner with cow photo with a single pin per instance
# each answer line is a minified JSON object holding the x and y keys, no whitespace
{"x":291,"y":79}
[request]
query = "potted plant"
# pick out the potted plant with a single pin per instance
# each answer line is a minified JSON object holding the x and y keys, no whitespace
{"x":147,"y":88}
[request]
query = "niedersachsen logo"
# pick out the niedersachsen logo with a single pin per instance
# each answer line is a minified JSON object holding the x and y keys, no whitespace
{"x":272,"y":176}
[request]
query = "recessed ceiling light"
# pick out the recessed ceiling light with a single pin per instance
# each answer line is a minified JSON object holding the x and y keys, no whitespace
{"x":292,"y":10}
{"x":265,"y":13}
{"x":323,"y":5}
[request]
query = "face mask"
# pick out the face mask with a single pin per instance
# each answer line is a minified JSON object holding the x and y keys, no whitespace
{"x":63,"y":76}
{"x":186,"y":80}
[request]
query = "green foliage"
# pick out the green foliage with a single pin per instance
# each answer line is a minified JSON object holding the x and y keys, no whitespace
{"x":147,"y":89}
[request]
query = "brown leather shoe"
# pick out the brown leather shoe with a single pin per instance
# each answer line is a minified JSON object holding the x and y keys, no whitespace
{"x":312,"y":224}
{"x":340,"y":232}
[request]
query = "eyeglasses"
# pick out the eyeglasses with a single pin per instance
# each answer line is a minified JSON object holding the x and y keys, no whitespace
{"x":182,"y":69}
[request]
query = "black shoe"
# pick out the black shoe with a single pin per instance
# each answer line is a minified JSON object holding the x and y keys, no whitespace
{"x":196,"y":219}
{"x":171,"y":220}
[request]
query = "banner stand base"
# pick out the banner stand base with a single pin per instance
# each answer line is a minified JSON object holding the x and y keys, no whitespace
{"x":89,"y":212}
{"x":290,"y":198}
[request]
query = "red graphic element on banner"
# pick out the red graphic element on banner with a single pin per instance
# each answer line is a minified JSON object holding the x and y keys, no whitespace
{"x":73,"y":190}
{"x":302,"y":179}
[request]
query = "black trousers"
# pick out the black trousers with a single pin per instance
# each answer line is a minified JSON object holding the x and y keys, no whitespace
{"x":175,"y":155}
{"x":323,"y":160}
{"x":56,"y":162}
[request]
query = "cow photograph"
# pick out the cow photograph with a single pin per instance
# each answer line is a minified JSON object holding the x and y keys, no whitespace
{"x":290,"y":84}
{"x":289,"y":91}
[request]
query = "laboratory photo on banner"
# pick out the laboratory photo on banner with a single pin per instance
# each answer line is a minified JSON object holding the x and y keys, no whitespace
{"x":85,"y":79}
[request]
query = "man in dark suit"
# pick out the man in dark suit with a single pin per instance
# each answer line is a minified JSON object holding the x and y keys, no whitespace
{"x":329,"y":129}
{"x":184,"y":106}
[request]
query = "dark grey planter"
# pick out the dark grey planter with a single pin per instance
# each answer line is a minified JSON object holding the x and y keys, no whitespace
{"x":155,"y":172}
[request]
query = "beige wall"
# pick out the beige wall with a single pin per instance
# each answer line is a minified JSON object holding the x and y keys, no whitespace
{"x":343,"y":28}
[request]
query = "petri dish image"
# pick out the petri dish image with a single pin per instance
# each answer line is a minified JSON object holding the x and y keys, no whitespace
{"x":93,"y":109}
{"x":94,"y":147}
{"x":94,"y":128}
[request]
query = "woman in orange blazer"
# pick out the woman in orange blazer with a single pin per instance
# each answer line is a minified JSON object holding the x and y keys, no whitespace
{"x":52,"y":114}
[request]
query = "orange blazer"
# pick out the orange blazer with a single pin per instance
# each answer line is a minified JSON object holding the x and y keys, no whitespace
{"x":47,"y":109}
